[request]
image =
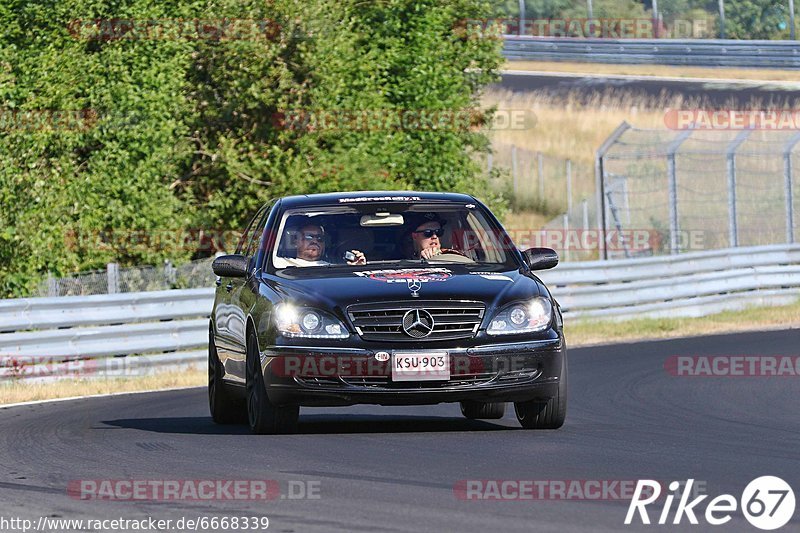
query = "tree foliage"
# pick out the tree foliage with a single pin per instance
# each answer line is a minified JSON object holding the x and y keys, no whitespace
{"x":185,"y":131}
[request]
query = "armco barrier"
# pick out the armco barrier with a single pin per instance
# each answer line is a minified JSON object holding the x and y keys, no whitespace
{"x":693,"y":284}
{"x":96,"y":335}
{"x":690,"y":52}
{"x":53,"y":336}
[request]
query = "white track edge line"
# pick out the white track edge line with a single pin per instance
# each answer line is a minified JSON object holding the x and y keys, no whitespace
{"x":107,"y":394}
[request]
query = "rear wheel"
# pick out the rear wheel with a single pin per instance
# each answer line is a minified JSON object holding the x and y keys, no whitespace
{"x":546,"y":414}
{"x":264,"y":417}
{"x":225,"y":408}
{"x":483,"y":410}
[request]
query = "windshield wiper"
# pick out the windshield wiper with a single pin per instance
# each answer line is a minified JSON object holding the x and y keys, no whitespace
{"x":401,"y":261}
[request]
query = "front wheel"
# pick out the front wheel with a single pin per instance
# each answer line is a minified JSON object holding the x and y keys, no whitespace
{"x":264,"y":417}
{"x":546,"y":414}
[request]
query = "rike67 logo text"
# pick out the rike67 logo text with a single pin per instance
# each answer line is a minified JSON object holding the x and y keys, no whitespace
{"x":767,"y":502}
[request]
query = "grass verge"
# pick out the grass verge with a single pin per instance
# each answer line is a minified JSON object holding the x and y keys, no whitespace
{"x":722,"y":73}
{"x":22,"y":391}
{"x":585,"y":333}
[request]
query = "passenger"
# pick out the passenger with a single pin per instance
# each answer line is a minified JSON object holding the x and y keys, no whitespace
{"x":311,"y":248}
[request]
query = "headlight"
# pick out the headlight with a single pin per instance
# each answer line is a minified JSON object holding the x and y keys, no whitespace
{"x":308,"y":323}
{"x":522,"y":317}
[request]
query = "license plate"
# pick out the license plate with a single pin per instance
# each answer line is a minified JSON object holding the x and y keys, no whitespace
{"x":421,"y":366}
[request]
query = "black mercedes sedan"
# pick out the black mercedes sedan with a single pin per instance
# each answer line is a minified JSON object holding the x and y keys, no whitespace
{"x":389,"y":298}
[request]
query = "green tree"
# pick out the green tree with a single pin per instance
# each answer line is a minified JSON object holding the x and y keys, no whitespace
{"x":756,"y":19}
{"x":63,"y":184}
{"x":182,"y":130}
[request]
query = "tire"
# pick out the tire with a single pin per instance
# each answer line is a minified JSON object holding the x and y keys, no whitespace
{"x":546,"y":414}
{"x":224,"y":407}
{"x":483,"y":410}
{"x":264,"y":417}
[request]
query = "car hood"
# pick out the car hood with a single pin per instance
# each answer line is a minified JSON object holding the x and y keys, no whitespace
{"x":339,"y":287}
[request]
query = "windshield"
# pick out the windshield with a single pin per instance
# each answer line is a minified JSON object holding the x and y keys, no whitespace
{"x":422,"y":233}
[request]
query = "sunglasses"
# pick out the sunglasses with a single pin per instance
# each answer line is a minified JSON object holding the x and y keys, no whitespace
{"x":310,"y":237}
{"x":428,"y":233}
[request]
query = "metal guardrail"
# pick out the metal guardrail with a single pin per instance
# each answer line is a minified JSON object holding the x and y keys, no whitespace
{"x":692,"y":284}
{"x":102,"y":335}
{"x":688,"y":52}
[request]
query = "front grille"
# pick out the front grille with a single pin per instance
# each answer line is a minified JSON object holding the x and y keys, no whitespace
{"x":384,"y":321}
{"x":384,"y":383}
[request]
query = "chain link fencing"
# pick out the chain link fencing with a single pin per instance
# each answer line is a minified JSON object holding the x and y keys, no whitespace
{"x":696,"y":190}
{"x":555,"y":187}
{"x":112,"y":280}
{"x":535,"y":181}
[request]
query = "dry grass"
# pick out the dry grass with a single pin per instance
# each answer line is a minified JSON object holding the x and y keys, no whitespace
{"x":569,"y":128}
{"x":723,"y":73}
{"x":523,"y":221}
{"x":583,"y":333}
{"x":22,"y":391}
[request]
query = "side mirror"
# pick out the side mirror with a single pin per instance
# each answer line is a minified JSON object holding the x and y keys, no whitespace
{"x":230,"y":266}
{"x":541,"y":258}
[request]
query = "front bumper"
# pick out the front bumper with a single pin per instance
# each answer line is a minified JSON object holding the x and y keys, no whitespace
{"x":501,"y":372}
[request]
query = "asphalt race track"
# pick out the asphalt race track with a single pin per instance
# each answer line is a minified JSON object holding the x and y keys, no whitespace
{"x":394,"y":469}
{"x":714,"y":94}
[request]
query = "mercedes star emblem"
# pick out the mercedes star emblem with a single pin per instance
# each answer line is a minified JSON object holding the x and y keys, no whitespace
{"x":417,"y":323}
{"x":414,"y":285}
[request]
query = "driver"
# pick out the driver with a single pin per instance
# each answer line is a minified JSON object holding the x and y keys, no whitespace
{"x":426,"y":232}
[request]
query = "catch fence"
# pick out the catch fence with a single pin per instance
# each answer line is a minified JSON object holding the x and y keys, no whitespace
{"x":699,"y":189}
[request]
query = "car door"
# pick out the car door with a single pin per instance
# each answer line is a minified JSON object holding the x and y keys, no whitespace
{"x":225,"y":315}
{"x":242,"y":299}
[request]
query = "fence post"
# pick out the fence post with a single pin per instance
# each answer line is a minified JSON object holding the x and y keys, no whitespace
{"x":514,"y":167}
{"x":599,"y":173}
{"x":112,"y":278}
{"x":655,"y":18}
{"x":789,"y":186}
{"x":565,"y":238}
{"x":489,"y":161}
{"x":52,"y":285}
{"x":730,"y":155}
{"x":541,"y":176}
{"x":521,"y":17}
{"x":569,"y":186}
{"x":170,"y":273}
{"x":585,"y":206}
{"x":674,"y":228}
